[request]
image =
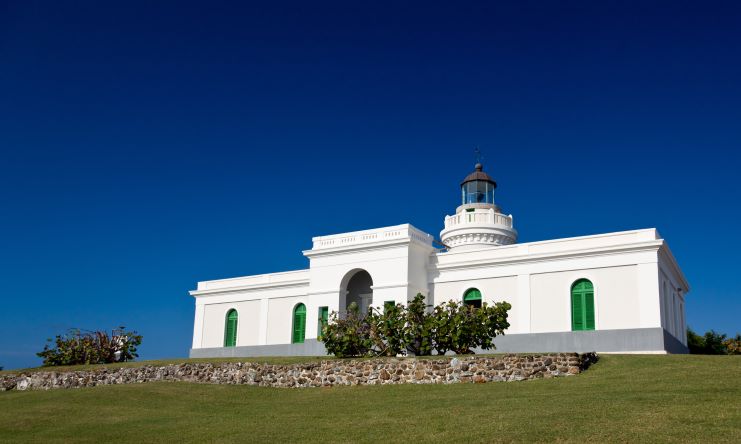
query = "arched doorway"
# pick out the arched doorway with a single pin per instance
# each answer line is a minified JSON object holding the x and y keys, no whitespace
{"x":357,"y":287}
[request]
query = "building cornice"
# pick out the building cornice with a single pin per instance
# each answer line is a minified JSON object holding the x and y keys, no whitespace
{"x":364,"y":247}
{"x":250,"y":288}
{"x":405,"y":234}
{"x":568,"y":254}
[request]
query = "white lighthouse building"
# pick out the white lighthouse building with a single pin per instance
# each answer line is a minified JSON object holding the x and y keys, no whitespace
{"x":617,"y":292}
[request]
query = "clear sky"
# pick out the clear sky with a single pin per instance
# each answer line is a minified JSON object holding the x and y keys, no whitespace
{"x":146,"y":147}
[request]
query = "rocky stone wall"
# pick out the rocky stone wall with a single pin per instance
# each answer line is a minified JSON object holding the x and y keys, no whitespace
{"x":467,"y":369}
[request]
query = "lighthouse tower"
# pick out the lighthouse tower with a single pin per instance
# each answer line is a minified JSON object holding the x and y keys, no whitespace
{"x":478,"y":222}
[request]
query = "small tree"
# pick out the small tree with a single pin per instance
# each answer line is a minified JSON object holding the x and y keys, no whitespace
{"x":452,"y":326}
{"x":460,"y":327}
{"x":417,"y":331}
{"x":77,"y":347}
{"x":695,"y":342}
{"x":348,"y":337}
{"x":386,"y":330}
{"x":714,"y":343}
{"x":733,"y":345}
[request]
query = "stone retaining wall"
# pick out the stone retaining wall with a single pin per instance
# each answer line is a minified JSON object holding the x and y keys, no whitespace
{"x":321,"y":373}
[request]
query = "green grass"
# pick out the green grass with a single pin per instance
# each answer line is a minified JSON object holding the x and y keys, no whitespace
{"x":620,"y":399}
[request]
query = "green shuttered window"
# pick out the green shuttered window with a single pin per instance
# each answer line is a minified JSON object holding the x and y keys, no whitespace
{"x":230,"y":330}
{"x":299,"y":323}
{"x":323,"y":318}
{"x":472,"y":297}
{"x":582,"y":305}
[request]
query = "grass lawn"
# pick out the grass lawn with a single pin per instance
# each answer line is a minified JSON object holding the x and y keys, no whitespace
{"x":620,"y":399}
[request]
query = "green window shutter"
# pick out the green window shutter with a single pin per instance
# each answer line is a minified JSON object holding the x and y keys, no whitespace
{"x":582,"y":305}
{"x":230,"y":330}
{"x":577,"y":311}
{"x":472,"y":297}
{"x":323,"y":319}
{"x":299,"y":323}
{"x":589,"y":310}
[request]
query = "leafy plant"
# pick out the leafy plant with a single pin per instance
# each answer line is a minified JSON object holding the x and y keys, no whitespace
{"x":733,"y":345}
{"x":713,"y":343}
{"x":348,"y":336}
{"x":451,"y":326}
{"x":459,"y":327}
{"x":695,"y":342}
{"x":386,"y":330}
{"x":417,"y":333}
{"x":98,"y":347}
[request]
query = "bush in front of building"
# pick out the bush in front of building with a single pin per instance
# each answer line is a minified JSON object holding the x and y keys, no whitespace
{"x":459,"y":328}
{"x":348,"y":336}
{"x":97,"y":347}
{"x":451,"y":326}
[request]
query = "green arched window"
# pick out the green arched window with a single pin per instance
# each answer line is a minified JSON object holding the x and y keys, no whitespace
{"x":230,"y":330}
{"x":472,"y":297}
{"x":582,"y":305}
{"x":299,"y":323}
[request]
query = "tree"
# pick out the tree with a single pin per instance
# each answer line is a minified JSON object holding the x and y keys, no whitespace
{"x":451,"y":326}
{"x":713,"y":343}
{"x":417,"y":332}
{"x":733,"y":345}
{"x":77,"y":347}
{"x":695,"y":342}
{"x":349,"y":336}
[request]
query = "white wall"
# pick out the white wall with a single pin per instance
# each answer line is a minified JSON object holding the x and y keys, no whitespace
{"x":280,"y":319}
{"x":253,"y":302}
{"x":615,"y":299}
{"x":673,"y":288}
{"x":248,"y":323}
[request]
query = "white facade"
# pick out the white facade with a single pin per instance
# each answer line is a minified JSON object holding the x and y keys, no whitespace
{"x":638,"y":289}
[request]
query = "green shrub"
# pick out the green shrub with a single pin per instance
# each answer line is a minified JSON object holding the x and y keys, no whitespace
{"x":733,"y":345}
{"x":460,"y":327}
{"x":713,"y":343}
{"x":451,"y":326}
{"x":387,"y":330}
{"x":348,"y":336}
{"x":695,"y":342}
{"x":417,"y":333}
{"x":96,"y":347}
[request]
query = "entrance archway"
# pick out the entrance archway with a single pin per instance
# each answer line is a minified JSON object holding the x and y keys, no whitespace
{"x":357,"y":287}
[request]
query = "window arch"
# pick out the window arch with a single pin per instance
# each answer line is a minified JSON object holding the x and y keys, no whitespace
{"x":299,"y":323}
{"x":582,"y":305}
{"x":230,"y":329}
{"x":472,"y":297}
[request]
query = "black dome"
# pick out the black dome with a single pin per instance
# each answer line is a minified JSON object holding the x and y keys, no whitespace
{"x":479,"y":175}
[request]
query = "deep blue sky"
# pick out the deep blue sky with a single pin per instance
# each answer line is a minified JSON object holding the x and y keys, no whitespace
{"x":145,"y":148}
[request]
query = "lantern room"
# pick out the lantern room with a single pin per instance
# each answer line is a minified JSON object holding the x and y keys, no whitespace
{"x":478,"y":188}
